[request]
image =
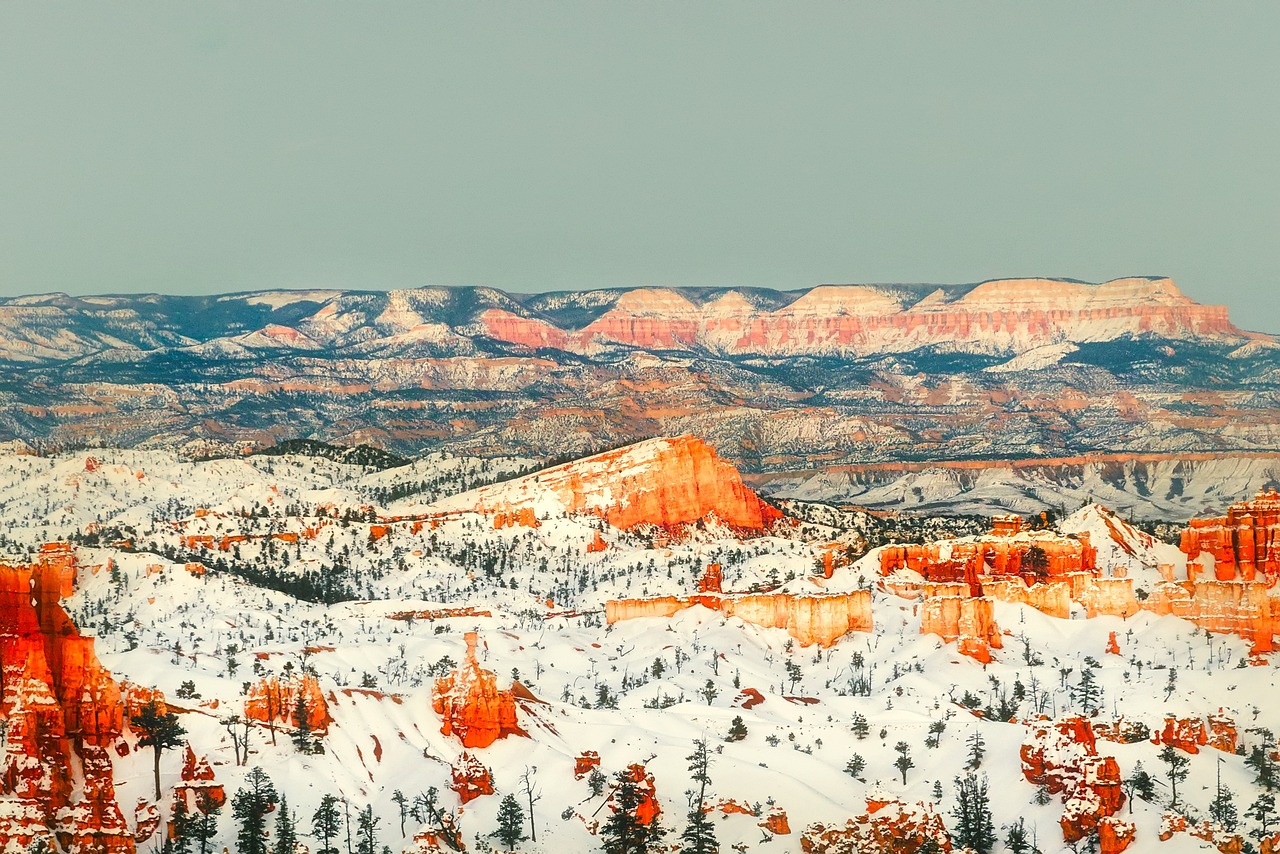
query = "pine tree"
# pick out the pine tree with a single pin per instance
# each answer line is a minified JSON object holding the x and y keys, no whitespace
{"x":301,"y":735}
{"x":180,"y":829}
{"x":700,"y":835}
{"x":973,"y":824}
{"x":1088,"y":693}
{"x":855,"y":766}
{"x":1179,"y":768}
{"x":737,"y":729}
{"x":250,"y":807}
{"x":204,"y":825}
{"x":159,"y":732}
{"x":861,"y":729}
{"x":286,"y":829}
{"x":1016,"y":840}
{"x":326,"y":822}
{"x":623,"y":832}
{"x":510,"y":822}
{"x":1264,"y":767}
{"x":1222,"y":809}
{"x":595,"y":782}
{"x":366,"y":837}
{"x":977,"y":749}
{"x":1262,"y":810}
{"x":1140,"y":784}
{"x":903,"y":762}
{"x":402,"y":804}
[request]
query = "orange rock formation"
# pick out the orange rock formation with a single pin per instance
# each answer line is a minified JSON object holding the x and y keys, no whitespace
{"x":887,"y":827}
{"x":472,"y":706}
{"x":951,"y":614}
{"x":669,"y":483}
{"x":470,"y":778}
{"x":821,"y":619}
{"x":1233,"y":607}
{"x":1063,"y":757}
{"x":1243,"y":544}
{"x":63,"y":709}
{"x":272,"y":701}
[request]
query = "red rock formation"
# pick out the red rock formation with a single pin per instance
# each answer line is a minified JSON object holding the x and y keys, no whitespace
{"x":1232,"y":607}
{"x":199,"y":791}
{"x":472,"y":706}
{"x":1108,"y":597}
{"x":822,"y":619}
{"x":1222,"y":733}
{"x":1243,"y":544}
{"x":586,"y":760}
{"x":711,"y":579}
{"x":146,"y":820}
{"x":648,"y":809}
{"x":775,"y":822}
{"x":748,"y":698}
{"x":1115,"y":834}
{"x":1113,"y":645}
{"x":597,"y":543}
{"x":669,"y":483}
{"x":470,"y":778}
{"x":1063,"y":757}
{"x":1001,"y":554}
{"x":968,"y":621}
{"x":63,"y":710}
{"x":272,"y":701}
{"x":1190,"y":734}
{"x":887,"y":827}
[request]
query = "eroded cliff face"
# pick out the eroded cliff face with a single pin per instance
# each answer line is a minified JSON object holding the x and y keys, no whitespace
{"x":473,"y":707}
{"x":821,"y":620}
{"x":668,"y":483}
{"x":950,"y":613}
{"x":273,"y":701}
{"x":889,"y":826}
{"x":1241,"y":608}
{"x":1244,"y":545}
{"x":63,"y":711}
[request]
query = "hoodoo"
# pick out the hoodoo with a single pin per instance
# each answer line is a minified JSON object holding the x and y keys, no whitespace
{"x":473,"y":707}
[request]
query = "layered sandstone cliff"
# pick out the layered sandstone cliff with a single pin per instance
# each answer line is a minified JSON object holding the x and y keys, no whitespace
{"x":819,"y":619}
{"x":63,"y":711}
{"x":275,"y":701}
{"x":667,"y":483}
{"x":1242,"y":545}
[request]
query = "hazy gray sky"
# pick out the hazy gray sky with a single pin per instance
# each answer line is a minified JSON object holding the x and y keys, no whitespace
{"x":198,"y":147}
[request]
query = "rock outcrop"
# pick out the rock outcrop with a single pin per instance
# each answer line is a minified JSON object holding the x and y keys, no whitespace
{"x":472,"y":706}
{"x":667,"y":483}
{"x":1242,"y":545}
{"x":273,"y":701}
{"x":950,"y":613}
{"x":1241,"y":608}
{"x":888,"y":826}
{"x":470,"y":778}
{"x":818,"y":619}
{"x":1062,"y":756}
{"x":63,"y":710}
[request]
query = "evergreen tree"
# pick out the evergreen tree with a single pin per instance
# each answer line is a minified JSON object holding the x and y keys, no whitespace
{"x":860,"y":727}
{"x":402,"y":804}
{"x":286,"y":829}
{"x":302,"y":738}
{"x":366,"y":836}
{"x":1140,"y":784}
{"x":1222,"y":809}
{"x":737,"y":729}
{"x":623,"y":832}
{"x":180,"y":826}
{"x":700,"y":835}
{"x":977,"y":749}
{"x":250,"y":807}
{"x":1088,"y":694}
{"x":1264,"y":767}
{"x":204,"y":825}
{"x":159,"y":732}
{"x":595,"y":782}
{"x":855,"y":766}
{"x":973,"y":826}
{"x":325,"y":824}
{"x":1017,"y":840}
{"x":903,"y":762}
{"x":1179,"y":768}
{"x":1262,"y":810}
{"x":510,"y":822}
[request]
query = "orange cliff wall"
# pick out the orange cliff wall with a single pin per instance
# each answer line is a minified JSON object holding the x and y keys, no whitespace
{"x":665,"y":482}
{"x":954,"y":616}
{"x":1230,"y":607}
{"x":811,"y":620}
{"x":271,"y":701}
{"x":63,"y":709}
{"x":471,"y":704}
{"x":1244,"y":544}
{"x":997,"y":555}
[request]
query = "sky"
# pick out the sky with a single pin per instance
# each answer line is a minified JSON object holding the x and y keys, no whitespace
{"x":214,"y":146}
